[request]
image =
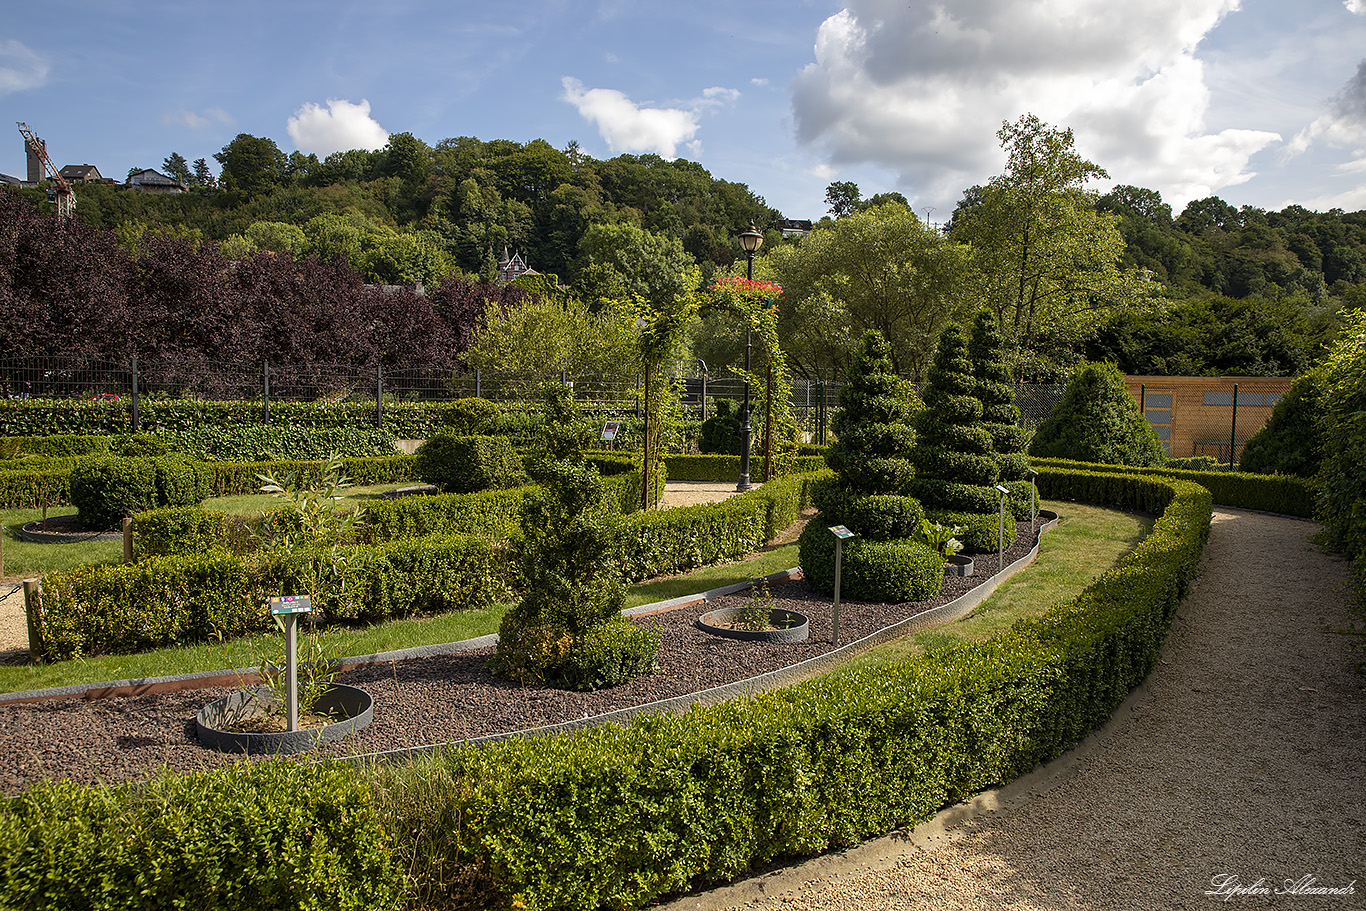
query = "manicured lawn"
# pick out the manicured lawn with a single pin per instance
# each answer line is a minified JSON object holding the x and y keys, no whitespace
{"x":1088,"y":541}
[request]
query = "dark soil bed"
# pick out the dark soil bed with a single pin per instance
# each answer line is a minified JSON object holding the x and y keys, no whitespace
{"x":433,"y":700}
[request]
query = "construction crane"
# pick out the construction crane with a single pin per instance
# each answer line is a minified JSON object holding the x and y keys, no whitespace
{"x":61,"y":192}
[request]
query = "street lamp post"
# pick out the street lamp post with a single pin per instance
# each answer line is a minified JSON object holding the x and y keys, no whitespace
{"x":750,"y":241}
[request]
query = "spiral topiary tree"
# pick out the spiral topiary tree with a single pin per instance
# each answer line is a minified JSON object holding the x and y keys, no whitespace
{"x":1000,"y":417}
{"x":871,"y":461}
{"x":568,"y":630}
{"x":955,"y":459}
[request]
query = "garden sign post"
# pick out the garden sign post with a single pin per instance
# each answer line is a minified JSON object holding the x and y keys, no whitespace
{"x":841,"y":534}
{"x":290,"y":607}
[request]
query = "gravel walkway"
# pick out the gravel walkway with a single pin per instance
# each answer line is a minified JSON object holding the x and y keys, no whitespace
{"x":1239,"y":764}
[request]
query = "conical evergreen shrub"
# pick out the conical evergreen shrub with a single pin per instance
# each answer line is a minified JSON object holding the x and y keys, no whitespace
{"x":1098,"y":421}
{"x":1000,"y":417}
{"x":568,"y":630}
{"x":955,"y":459}
{"x":871,"y":461}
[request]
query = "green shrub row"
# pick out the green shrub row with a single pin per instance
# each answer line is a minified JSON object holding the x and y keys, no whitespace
{"x":45,"y":417}
{"x":174,"y":600}
{"x":32,"y":487}
{"x":673,"y":540}
{"x":621,"y":816}
{"x":257,"y":442}
{"x":104,"y":489}
{"x":1285,"y":494}
{"x":274,"y":834}
{"x":63,"y":445}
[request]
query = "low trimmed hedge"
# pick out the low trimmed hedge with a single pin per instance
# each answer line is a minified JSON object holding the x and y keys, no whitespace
{"x":46,"y":483}
{"x":274,"y":834}
{"x":727,"y":467}
{"x":175,"y":600}
{"x":1285,"y":494}
{"x":622,"y":816}
{"x":673,"y":540}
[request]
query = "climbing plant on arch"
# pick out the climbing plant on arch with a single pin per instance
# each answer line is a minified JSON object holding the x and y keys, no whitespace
{"x":755,"y":302}
{"x":660,"y":331}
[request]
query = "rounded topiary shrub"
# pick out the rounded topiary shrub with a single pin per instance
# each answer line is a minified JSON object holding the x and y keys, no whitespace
{"x":468,"y":464}
{"x":1098,"y":421}
{"x":981,"y":532}
{"x":107,"y":488}
{"x":471,"y":417}
{"x":891,"y":571}
{"x":720,"y":434}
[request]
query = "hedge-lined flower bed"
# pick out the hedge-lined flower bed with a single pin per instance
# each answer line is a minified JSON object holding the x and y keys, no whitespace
{"x":620,"y":816}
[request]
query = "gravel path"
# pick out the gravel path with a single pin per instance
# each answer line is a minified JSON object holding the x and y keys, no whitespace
{"x":1239,"y":763}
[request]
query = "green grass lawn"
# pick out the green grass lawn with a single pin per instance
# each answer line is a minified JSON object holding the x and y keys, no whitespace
{"x":1088,"y":541}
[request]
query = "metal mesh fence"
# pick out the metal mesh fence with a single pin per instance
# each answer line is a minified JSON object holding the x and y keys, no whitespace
{"x":610,"y":395}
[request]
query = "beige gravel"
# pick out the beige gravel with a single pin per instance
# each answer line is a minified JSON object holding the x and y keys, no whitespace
{"x":1240,"y":761}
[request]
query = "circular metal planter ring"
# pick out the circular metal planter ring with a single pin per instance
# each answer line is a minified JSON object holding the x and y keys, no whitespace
{"x":64,"y":529}
{"x":789,"y":626}
{"x":354,"y":706}
{"x":958,"y":565}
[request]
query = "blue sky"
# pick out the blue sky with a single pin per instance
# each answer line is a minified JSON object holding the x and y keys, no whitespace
{"x":1261,"y":102}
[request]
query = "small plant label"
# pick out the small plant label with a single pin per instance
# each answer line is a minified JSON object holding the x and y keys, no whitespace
{"x":841,"y":532}
{"x":609,"y":430}
{"x":291,"y":604}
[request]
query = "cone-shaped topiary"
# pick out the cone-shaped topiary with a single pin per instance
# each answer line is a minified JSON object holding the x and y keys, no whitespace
{"x":872,"y":466}
{"x":1098,"y":421}
{"x":955,"y":460}
{"x":568,"y":630}
{"x":1291,"y":441}
{"x":1000,"y":417}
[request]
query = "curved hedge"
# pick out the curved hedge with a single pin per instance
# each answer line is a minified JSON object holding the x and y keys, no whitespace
{"x":670,"y":803}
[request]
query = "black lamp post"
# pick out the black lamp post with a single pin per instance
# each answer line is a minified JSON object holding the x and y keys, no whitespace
{"x":750,"y":242}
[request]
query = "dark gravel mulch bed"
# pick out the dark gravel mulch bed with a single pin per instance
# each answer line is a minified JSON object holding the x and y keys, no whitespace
{"x":434,"y":700}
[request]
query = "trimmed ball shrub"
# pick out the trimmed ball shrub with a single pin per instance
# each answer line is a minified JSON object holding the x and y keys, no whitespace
{"x":720,"y":433}
{"x":471,"y":417}
{"x":469,"y":464}
{"x":891,"y":572}
{"x":107,"y":488}
{"x":1098,"y":421}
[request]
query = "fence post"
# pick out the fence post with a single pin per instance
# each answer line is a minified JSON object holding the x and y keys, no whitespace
{"x":135,"y":395}
{"x":33,"y":607}
{"x":1233,"y":431}
{"x":265,"y":390}
{"x":379,"y":396}
{"x":478,"y":383}
{"x":638,"y":397}
{"x":1143,"y":399}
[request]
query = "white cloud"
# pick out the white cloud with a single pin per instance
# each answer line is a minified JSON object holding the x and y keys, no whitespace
{"x":630,"y":127}
{"x":1343,"y":124}
{"x":20,"y":68}
{"x":1355,"y":6}
{"x":339,"y":127}
{"x":921,"y":87}
{"x":195,"y":120}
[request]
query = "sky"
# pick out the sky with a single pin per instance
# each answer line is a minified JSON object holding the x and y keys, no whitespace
{"x":1259,"y":102}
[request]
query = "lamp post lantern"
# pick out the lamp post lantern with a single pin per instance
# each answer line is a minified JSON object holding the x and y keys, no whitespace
{"x":750,"y":241}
